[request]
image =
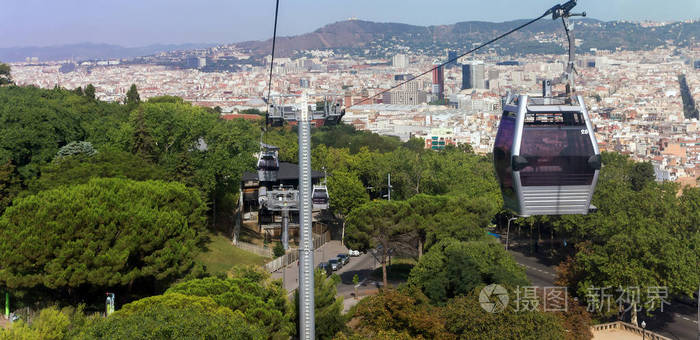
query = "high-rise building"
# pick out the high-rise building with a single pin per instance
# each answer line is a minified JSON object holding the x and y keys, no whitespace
{"x":438,"y":80}
{"x":473,"y":75}
{"x":450,"y":56}
{"x":196,"y":62}
{"x":407,"y":94}
{"x":400,"y":61}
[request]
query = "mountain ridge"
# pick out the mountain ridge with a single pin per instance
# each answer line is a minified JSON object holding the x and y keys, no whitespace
{"x":360,"y":34}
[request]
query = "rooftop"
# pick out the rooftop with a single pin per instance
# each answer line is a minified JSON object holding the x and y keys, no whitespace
{"x":288,"y":171}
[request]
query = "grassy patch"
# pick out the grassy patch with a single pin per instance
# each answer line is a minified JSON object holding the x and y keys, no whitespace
{"x":220,"y":255}
{"x":397,"y":271}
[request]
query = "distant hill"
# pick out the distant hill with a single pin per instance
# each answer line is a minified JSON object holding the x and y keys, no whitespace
{"x":372,"y":38}
{"x":89,"y":51}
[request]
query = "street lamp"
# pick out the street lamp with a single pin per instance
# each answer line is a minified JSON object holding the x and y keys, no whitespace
{"x":508,"y":230}
{"x":644,"y":332}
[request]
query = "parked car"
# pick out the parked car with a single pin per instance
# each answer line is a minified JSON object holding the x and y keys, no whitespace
{"x":334,"y":264}
{"x":324,"y":266}
{"x":354,"y":252}
{"x":344,"y":258}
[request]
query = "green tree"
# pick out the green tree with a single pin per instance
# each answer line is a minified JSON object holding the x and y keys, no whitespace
{"x":251,"y":112}
{"x":76,"y":148}
{"x":278,"y":250}
{"x":132,"y":96}
{"x":166,"y":99}
{"x":415,"y":145}
{"x":90,"y":91}
{"x":379,"y":225}
{"x":193,"y":145}
{"x":406,"y":314}
{"x":355,"y":283}
{"x":423,"y":210}
{"x":262,"y":301}
{"x":346,"y":136}
{"x":643,"y":235}
{"x":328,"y":306}
{"x":455,"y":216}
{"x":346,"y":193}
{"x":10,"y":185}
{"x":175,"y":316}
{"x":642,"y":173}
{"x":5,"y":76}
{"x":35,"y":124}
{"x":452,"y":268}
{"x":465,"y":319}
{"x":105,"y":233}
{"x":108,"y":163}
{"x":51,"y":324}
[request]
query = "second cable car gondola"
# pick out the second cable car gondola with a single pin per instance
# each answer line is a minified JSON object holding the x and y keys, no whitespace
{"x":268,"y":166}
{"x":319,"y":197}
{"x":546,"y":156}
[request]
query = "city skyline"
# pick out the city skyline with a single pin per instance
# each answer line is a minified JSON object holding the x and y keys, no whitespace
{"x":130,"y":24}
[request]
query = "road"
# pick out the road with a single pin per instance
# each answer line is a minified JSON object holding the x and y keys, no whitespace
{"x":360,"y":265}
{"x":677,"y":321}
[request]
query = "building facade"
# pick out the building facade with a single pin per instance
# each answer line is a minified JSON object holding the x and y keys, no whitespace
{"x":473,"y":75}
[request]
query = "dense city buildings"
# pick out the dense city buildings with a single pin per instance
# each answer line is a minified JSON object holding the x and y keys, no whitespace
{"x":634,"y":98}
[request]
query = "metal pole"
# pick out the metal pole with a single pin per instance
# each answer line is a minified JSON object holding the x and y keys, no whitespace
{"x":7,"y":304}
{"x":508,"y":230}
{"x":572,"y":56}
{"x":285,"y":229}
{"x":389,"y":183}
{"x":306,"y":252}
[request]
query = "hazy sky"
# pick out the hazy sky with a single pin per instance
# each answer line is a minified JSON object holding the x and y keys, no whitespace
{"x":144,"y":22}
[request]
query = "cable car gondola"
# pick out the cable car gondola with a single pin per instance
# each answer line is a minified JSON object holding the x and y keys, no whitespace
{"x":268,"y":166}
{"x":546,"y":156}
{"x":319,"y":197}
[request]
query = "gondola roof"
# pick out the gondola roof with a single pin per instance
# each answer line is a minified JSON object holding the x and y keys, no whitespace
{"x":287,"y":171}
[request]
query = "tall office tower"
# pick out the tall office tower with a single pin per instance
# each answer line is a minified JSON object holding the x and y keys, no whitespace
{"x":473,"y":75}
{"x":400,"y":61}
{"x":438,"y":80}
{"x":451,"y":55}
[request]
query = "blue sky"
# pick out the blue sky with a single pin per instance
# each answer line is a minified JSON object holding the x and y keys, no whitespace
{"x":144,"y":22}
